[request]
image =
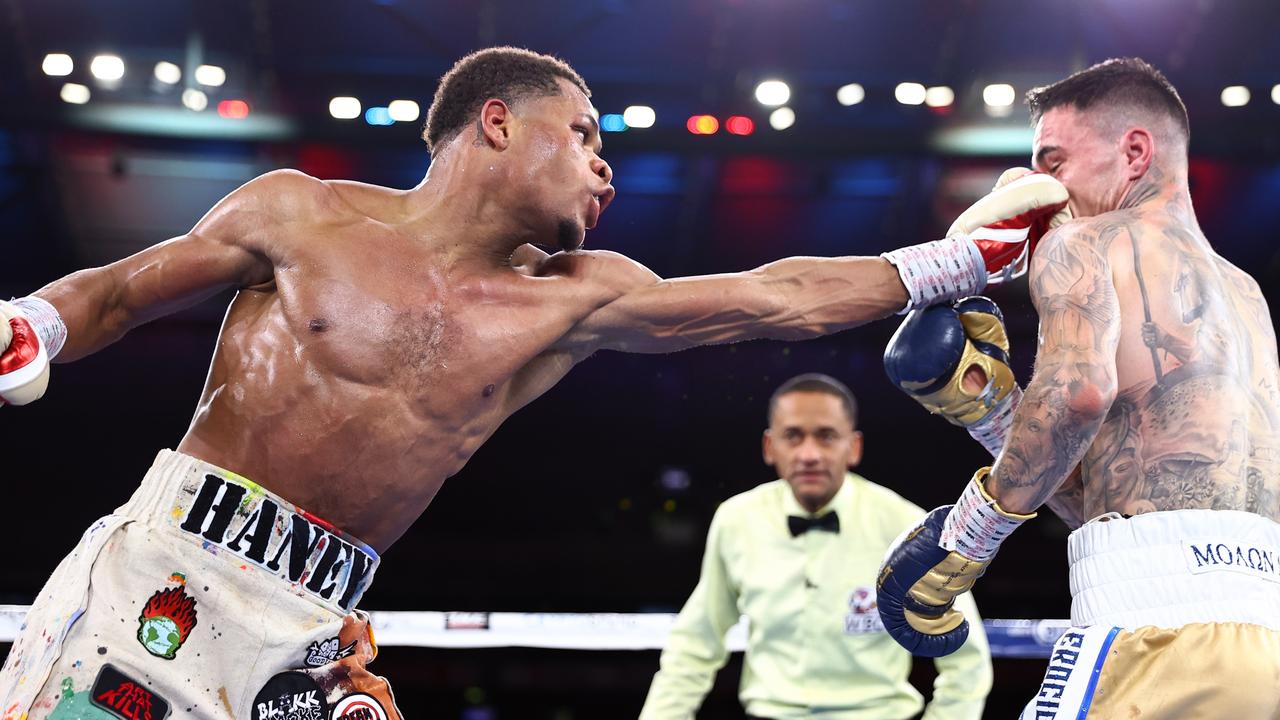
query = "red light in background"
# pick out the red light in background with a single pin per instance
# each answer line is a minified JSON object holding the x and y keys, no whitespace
{"x":739,"y":125}
{"x":703,"y":125}
{"x":233,"y":109}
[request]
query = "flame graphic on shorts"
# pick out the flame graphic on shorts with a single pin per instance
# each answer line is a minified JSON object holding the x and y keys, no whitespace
{"x":166,"y":621}
{"x":175,"y":605}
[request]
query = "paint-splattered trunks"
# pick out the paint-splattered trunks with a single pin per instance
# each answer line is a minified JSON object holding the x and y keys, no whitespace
{"x":203,"y":596}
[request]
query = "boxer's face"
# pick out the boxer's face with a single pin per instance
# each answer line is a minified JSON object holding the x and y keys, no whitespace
{"x":810,"y":443}
{"x":559,"y":185}
{"x":1092,"y":165}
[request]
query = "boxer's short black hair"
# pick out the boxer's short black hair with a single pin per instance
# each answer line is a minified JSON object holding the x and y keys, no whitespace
{"x":1119,"y":81}
{"x":817,"y":383}
{"x":509,"y":74}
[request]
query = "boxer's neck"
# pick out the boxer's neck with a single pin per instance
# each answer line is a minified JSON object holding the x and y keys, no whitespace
{"x":462,"y":205}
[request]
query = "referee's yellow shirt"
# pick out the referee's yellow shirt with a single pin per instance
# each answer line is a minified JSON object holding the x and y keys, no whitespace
{"x":815,"y":646}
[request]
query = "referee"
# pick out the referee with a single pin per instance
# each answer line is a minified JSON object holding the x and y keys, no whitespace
{"x":798,"y":557}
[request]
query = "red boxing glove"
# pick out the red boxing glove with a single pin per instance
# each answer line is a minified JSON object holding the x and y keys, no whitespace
{"x":1008,"y":222}
{"x":989,"y":243}
{"x":24,"y":364}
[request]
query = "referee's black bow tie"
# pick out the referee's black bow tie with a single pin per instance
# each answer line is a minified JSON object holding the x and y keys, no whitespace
{"x":801,"y":525}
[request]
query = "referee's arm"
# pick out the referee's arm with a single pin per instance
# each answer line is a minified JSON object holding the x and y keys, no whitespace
{"x":695,"y":649}
{"x":964,"y":677}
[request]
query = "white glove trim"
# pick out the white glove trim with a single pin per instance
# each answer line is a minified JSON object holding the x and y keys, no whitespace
{"x":939,"y":271}
{"x":46,"y":321}
{"x":1009,"y":235}
{"x":977,"y":524}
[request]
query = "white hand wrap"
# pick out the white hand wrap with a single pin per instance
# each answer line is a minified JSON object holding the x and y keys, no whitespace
{"x":991,"y":430}
{"x":939,"y":271}
{"x":46,"y":321}
{"x":977,"y":525}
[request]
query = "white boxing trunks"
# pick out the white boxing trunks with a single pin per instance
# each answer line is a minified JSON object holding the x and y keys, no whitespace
{"x":1175,"y":614}
{"x":204,"y":596}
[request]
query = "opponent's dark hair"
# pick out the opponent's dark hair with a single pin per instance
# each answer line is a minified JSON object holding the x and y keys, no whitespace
{"x":509,"y":74}
{"x":817,"y":383}
{"x":1120,"y":81}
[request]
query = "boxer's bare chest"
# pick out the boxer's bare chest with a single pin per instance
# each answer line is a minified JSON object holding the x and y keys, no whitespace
{"x":375,"y":330}
{"x":383,"y":371}
{"x":444,"y":337}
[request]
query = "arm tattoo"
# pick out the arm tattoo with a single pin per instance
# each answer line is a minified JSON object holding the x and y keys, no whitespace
{"x":1068,"y":502}
{"x":1075,"y":377}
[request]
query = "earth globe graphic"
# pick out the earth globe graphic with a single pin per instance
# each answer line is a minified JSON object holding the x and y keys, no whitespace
{"x":160,"y":636}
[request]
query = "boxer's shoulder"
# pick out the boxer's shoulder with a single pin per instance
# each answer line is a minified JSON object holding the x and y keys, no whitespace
{"x":1098,"y":231}
{"x":1084,"y":243}
{"x":603,"y":268}
{"x":289,"y":192}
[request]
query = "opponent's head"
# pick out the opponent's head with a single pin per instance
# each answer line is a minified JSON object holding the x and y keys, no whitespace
{"x":526,"y":122}
{"x":812,"y":437}
{"x":1115,"y":129}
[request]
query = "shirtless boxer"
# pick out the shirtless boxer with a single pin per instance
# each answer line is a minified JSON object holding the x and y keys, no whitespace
{"x":1156,"y":374}
{"x":378,"y":338}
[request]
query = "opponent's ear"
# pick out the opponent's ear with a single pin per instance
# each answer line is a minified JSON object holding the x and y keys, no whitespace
{"x":495,"y":124}
{"x":1139,"y":149}
{"x":767,"y":447}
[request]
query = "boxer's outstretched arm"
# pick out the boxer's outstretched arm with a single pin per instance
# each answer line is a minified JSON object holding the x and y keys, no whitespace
{"x":1074,"y":383}
{"x":229,"y":247}
{"x":791,"y":299}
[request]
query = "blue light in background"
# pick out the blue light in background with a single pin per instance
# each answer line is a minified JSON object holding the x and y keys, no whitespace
{"x":612,"y":123}
{"x":649,"y":173}
{"x":378,"y":116}
{"x":866,"y":178}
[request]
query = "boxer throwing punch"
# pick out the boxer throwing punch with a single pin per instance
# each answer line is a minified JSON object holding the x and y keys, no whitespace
{"x":377,"y":339}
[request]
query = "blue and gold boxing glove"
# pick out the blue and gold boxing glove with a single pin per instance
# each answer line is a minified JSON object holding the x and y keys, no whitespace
{"x":934,"y":561}
{"x":932,"y":350}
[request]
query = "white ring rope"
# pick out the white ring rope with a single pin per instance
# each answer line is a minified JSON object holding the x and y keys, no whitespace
{"x":590,"y":631}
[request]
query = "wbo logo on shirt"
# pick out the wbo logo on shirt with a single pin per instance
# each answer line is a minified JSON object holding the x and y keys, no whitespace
{"x":863,"y":617}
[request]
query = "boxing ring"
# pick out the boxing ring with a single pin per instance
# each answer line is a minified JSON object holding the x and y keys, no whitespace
{"x":1009,"y":638}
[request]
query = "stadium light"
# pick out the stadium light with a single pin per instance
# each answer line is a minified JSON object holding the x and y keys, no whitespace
{"x":909,"y":93}
{"x":850,"y":94}
{"x":939,"y":96}
{"x":74,"y":93}
{"x":403,"y":110}
{"x":108,"y":68}
{"x":378,"y":116}
{"x":233,"y":109}
{"x":211,"y":75}
{"x":613,"y":122}
{"x":195,"y":99}
{"x":639,"y":116}
{"x":703,"y":125}
{"x":773,"y":93}
{"x":168,"y":73}
{"x":782,"y":118}
{"x":57,"y":65}
{"x":998,"y":95}
{"x":344,"y":108}
{"x":1235,"y":96}
{"x":739,"y":125}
